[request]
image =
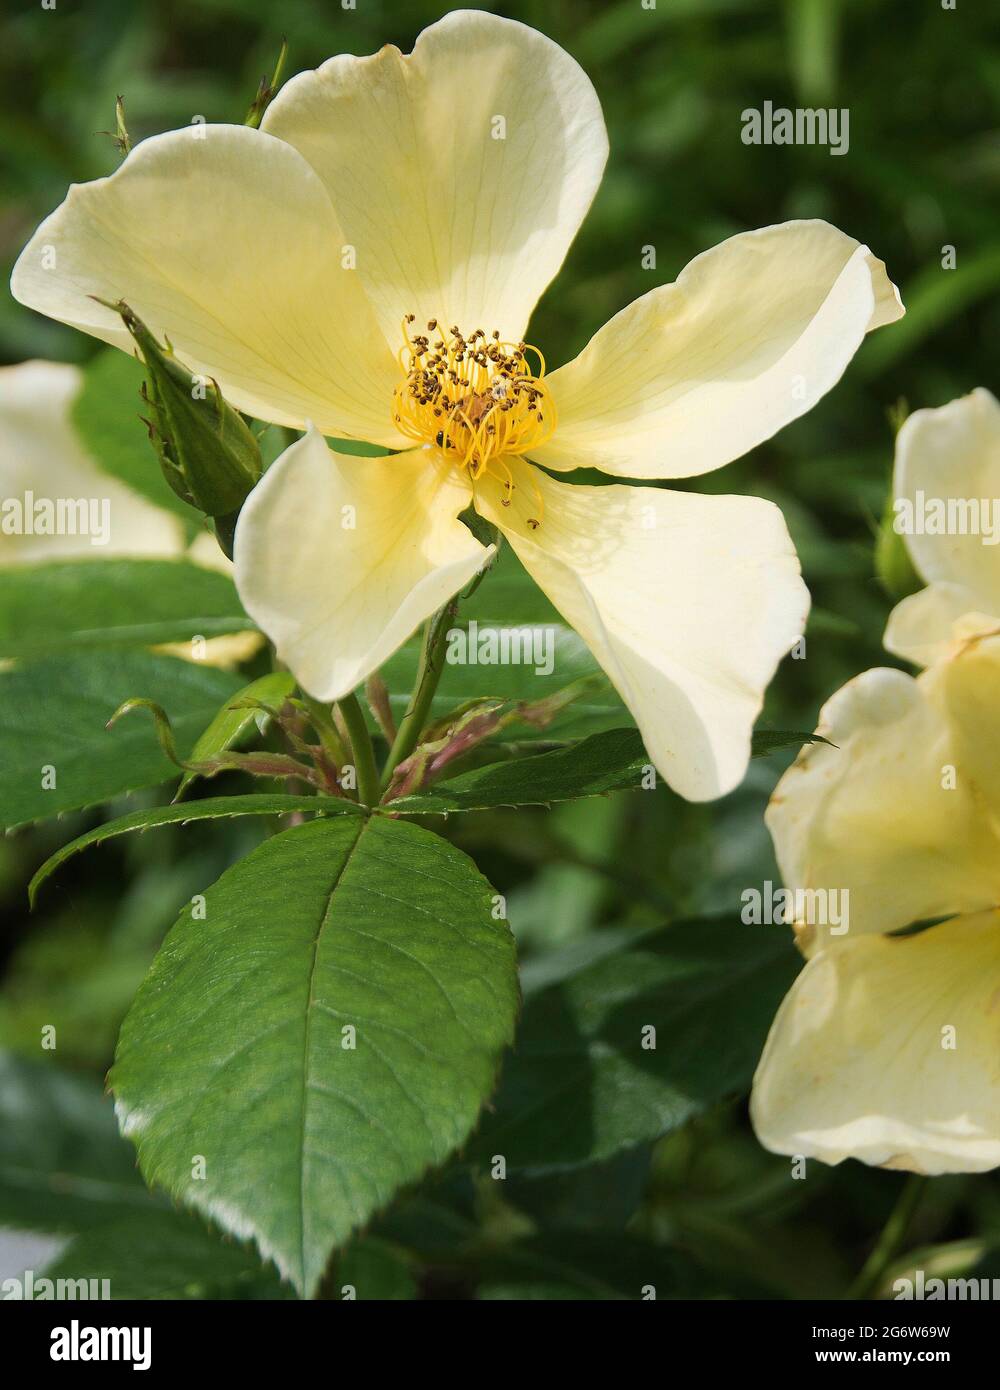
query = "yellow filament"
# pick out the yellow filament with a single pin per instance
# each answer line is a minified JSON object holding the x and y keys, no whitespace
{"x":475,"y":399}
{"x":497,"y":468}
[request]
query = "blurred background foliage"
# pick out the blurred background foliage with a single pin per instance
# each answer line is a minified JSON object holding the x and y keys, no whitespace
{"x":705,"y":1208}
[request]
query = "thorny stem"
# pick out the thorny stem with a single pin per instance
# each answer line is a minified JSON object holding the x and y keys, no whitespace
{"x":892,"y":1236}
{"x":361,"y":747}
{"x":428,"y":674}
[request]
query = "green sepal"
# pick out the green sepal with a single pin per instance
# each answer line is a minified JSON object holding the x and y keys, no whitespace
{"x":893,"y":566}
{"x":208,"y":453}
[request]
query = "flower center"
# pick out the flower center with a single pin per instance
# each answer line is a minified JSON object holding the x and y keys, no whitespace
{"x":476,"y":399}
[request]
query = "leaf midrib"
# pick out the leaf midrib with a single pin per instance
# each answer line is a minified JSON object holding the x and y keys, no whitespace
{"x":307,"y":1041}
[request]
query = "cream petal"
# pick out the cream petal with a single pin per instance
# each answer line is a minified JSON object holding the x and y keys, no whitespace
{"x":226,"y":652}
{"x":449,"y":221}
{"x":339,"y":558}
{"x":950,"y":455}
{"x":688,"y":602}
{"x":966,"y":686}
{"x":693,"y":374}
{"x":860,"y":1063}
{"x":926,"y":626}
{"x":42,"y":456}
{"x":223,"y":240}
{"x":884,"y":815}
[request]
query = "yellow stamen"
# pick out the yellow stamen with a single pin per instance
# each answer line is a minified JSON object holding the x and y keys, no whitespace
{"x":475,"y":399}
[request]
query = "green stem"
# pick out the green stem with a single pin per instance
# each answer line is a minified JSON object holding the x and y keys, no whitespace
{"x":361,"y":747}
{"x":892,"y":1236}
{"x":428,"y":674}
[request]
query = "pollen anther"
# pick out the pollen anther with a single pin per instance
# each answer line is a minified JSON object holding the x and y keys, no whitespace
{"x":476,"y":399}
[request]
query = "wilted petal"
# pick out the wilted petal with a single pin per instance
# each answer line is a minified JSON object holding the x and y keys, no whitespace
{"x":888,"y":1050}
{"x":339,"y":558}
{"x":460,"y":173}
{"x":223,"y":240}
{"x":688,"y":602}
{"x":693,"y":374}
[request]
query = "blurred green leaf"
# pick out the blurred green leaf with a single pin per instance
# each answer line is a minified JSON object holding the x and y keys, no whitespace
{"x":75,"y":604}
{"x":813,"y":35}
{"x":581,"y":1085}
{"x":374,"y":1269}
{"x":166,"y":1254}
{"x":107,"y":417}
{"x":934,"y":298}
{"x":63,"y":1166}
{"x":52,"y":717}
{"x":583,"y":1265}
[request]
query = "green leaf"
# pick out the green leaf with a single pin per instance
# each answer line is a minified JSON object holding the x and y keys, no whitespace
{"x":63,"y":1166}
{"x":581,"y":1086}
{"x":52,"y":716}
{"x":603,"y":763}
{"x":773,"y":740}
{"x":166,"y":1254}
{"x":235,"y":1046}
{"x":77,"y":604}
{"x":253,"y":804}
{"x":230,"y":726}
{"x":107,"y":418}
{"x":607,"y":762}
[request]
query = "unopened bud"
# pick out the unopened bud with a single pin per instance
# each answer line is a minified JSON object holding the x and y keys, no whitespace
{"x":208,"y":453}
{"x":893,"y":566}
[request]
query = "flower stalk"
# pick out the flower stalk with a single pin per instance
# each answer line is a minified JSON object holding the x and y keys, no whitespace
{"x":361,"y":747}
{"x":428,"y":675}
{"x":889,"y":1242}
